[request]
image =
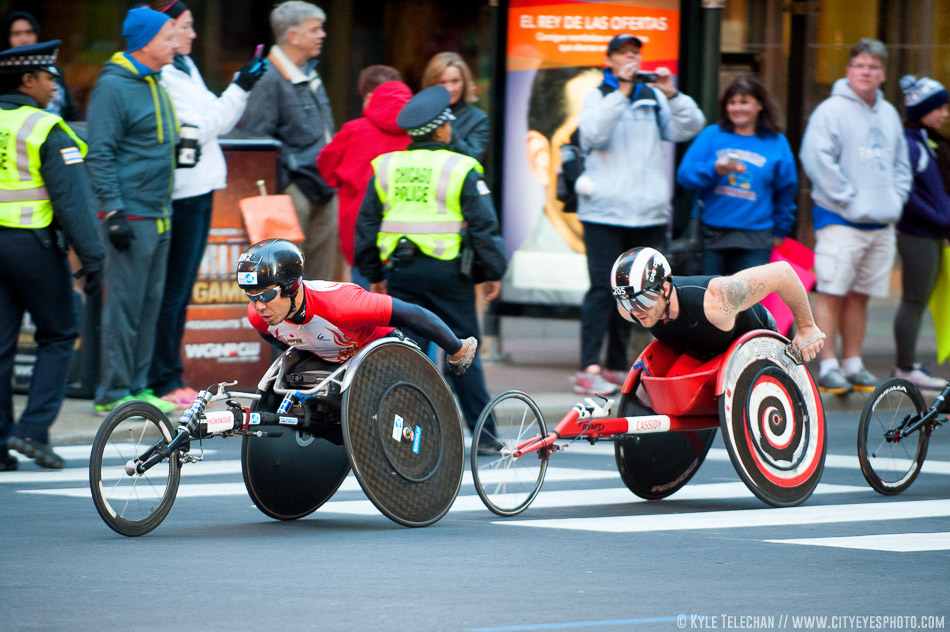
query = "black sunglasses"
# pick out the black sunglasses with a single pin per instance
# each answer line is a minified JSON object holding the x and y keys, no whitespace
{"x":636,"y":302}
{"x":264,"y":297}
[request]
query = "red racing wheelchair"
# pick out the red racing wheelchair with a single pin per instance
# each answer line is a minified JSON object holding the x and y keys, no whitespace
{"x":758,"y":392}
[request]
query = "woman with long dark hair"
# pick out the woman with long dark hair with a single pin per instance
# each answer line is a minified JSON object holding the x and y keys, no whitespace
{"x":746,"y":181}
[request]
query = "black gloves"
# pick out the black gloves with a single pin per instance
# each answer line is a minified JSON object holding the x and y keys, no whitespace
{"x":93,"y":283}
{"x":250,"y":73}
{"x":119,"y":231}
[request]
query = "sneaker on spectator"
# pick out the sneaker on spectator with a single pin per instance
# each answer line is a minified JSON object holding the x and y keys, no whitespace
{"x":614,"y":377}
{"x":182,"y":397}
{"x":104,"y":409}
{"x":863,"y":380}
{"x":921,"y":378}
{"x":592,"y":384}
{"x":834,"y":382}
{"x":148,"y":395}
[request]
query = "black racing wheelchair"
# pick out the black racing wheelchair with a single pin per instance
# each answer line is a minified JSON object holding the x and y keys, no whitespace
{"x":386,"y":413}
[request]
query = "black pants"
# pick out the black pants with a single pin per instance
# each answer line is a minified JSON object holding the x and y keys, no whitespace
{"x":438,"y":286}
{"x":191,"y":222}
{"x":599,"y":315}
{"x":36,"y":279}
{"x":920,"y":267}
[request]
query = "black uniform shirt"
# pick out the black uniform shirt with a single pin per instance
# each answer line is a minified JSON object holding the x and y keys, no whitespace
{"x":692,"y":333}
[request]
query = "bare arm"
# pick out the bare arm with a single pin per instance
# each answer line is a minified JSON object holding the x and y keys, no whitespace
{"x":727,"y":296}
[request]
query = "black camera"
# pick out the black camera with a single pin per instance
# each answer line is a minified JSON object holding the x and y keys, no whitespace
{"x":645,"y":77}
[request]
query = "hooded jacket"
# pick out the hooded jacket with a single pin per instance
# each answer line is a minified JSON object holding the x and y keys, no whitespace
{"x":927,"y":212}
{"x":626,"y":180}
{"x":132,"y":131}
{"x":856,"y":157}
{"x":345,"y":162}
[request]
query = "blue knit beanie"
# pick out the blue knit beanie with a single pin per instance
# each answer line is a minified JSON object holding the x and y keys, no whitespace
{"x":922,"y":96}
{"x":140,"y":26}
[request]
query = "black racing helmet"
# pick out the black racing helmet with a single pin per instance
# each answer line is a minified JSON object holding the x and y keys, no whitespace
{"x":271,"y":262}
{"x":637,"y":278}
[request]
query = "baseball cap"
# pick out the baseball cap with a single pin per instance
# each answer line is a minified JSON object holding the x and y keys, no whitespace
{"x":619,"y":40}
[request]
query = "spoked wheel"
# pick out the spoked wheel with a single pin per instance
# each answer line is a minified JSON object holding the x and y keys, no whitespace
{"x":506,"y":484}
{"x":132,"y":505}
{"x":890,"y":465}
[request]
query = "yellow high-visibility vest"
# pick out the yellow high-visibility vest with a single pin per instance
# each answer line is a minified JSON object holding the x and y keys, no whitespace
{"x":24,"y":200}
{"x":420,"y":192}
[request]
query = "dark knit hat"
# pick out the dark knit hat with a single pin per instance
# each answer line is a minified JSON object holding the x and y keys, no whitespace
{"x":141,"y":26}
{"x":922,"y":96}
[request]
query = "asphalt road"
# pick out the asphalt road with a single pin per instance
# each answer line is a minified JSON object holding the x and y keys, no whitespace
{"x":587,"y":555}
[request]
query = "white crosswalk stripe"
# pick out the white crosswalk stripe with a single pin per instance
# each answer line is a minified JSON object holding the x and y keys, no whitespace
{"x":349,"y":500}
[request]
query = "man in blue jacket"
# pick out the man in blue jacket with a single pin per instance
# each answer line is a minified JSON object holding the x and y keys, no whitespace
{"x":132,"y":135}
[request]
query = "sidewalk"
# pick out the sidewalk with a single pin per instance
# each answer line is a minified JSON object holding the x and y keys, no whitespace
{"x":541,"y":357}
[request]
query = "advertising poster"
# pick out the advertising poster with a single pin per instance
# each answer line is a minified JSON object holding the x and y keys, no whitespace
{"x":556,"y":51}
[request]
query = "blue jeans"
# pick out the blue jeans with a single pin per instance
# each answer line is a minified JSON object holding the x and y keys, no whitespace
{"x":732,"y":260}
{"x":191,"y":222}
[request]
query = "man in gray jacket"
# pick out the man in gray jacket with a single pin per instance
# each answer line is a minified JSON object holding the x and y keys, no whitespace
{"x":624,"y":192}
{"x":855,"y":155}
{"x":290,"y":104}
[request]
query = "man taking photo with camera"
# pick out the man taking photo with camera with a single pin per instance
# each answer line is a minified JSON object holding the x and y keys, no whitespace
{"x":623,"y":196}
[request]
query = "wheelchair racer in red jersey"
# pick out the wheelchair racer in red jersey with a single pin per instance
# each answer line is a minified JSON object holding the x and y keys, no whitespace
{"x":332,"y":320}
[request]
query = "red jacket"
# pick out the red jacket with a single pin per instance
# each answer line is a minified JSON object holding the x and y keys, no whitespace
{"x":345,"y":162}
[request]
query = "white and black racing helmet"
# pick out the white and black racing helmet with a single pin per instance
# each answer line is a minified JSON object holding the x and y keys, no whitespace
{"x":637,"y":278}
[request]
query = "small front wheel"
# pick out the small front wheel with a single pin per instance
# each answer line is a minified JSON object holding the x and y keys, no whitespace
{"x":133,"y":504}
{"x":891,"y":464}
{"x":507,"y":484}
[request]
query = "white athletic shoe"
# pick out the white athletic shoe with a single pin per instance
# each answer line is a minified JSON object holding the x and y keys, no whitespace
{"x":920,"y":378}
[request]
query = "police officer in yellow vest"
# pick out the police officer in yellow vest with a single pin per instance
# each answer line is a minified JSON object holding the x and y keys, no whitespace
{"x":427,"y":232}
{"x":44,"y":192}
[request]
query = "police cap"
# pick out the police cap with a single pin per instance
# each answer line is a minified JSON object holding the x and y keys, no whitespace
{"x":40,"y":56}
{"x":426,"y":111}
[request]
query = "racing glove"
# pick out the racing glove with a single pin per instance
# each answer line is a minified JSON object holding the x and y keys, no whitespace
{"x":250,"y":73}
{"x":93,"y":283}
{"x":119,"y":231}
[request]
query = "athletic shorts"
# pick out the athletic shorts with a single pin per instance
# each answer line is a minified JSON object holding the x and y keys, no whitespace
{"x":851,"y":260}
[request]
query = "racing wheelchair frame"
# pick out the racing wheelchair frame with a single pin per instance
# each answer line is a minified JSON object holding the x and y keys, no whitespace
{"x":387,"y":413}
{"x":758,"y":392}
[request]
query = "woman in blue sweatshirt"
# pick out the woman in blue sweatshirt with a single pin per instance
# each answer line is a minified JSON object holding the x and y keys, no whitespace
{"x":746,"y":179}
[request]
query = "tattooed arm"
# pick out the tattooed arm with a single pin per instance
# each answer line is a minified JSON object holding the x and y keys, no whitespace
{"x":727,"y":296}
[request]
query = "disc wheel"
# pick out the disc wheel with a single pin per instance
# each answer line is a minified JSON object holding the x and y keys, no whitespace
{"x":654,"y":466}
{"x":508,"y":484}
{"x":291,"y":476}
{"x":888,"y":465}
{"x":132,"y":505}
{"x":772,"y":421}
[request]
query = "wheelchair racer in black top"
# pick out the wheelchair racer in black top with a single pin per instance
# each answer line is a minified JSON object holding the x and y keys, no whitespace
{"x":704,"y":315}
